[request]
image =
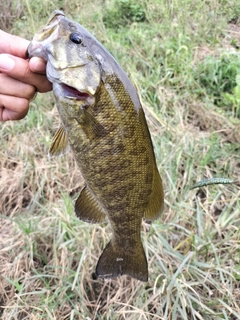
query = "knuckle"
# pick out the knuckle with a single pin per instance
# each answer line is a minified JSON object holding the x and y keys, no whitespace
{"x":32,"y":91}
{"x":26,"y":73}
{"x":29,"y":92}
{"x":44,"y":85}
{"x":23,"y":105}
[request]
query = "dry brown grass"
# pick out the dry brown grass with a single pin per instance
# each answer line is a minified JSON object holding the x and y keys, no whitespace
{"x":9,"y":12}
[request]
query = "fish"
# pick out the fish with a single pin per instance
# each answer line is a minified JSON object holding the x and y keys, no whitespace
{"x":103,"y":123}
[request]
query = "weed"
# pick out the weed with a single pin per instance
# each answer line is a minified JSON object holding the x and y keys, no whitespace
{"x":123,"y":12}
{"x":218,"y":76}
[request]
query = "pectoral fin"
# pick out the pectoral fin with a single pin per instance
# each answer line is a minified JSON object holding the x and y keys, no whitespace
{"x":96,"y":127}
{"x":90,"y":125}
{"x":87,"y":208}
{"x":156,"y":201}
{"x":59,"y":144}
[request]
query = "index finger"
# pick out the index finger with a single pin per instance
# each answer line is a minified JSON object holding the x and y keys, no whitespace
{"x":13,"y":45}
{"x":18,"y":69}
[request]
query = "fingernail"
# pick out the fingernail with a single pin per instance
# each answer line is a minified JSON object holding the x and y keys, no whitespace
{"x":6,"y":63}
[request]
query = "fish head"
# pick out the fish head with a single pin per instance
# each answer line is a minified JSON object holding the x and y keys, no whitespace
{"x":66,"y":47}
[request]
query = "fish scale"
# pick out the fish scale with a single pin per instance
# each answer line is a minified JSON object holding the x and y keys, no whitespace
{"x":104,"y":124}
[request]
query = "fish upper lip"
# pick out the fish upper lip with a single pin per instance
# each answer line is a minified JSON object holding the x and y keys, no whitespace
{"x":48,"y":34}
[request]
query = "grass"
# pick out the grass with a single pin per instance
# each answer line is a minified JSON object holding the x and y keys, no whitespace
{"x":183,"y":56}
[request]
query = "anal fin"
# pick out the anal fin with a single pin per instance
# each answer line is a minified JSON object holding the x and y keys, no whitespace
{"x":156,"y":200}
{"x":87,"y":208}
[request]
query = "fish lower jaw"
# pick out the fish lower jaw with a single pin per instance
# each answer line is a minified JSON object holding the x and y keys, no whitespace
{"x":73,"y":93}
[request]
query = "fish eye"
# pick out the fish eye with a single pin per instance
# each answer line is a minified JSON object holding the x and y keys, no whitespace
{"x":76,"y":38}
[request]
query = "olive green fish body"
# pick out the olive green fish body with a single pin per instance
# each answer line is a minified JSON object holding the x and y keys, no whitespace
{"x":106,"y":129}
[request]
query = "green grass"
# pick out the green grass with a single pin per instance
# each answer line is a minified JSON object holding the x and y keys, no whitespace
{"x":183,"y":57}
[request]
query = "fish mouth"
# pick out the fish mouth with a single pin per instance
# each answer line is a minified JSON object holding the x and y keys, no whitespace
{"x":73,"y":93}
{"x":47,"y":35}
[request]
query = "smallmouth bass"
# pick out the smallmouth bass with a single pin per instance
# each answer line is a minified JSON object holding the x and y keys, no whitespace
{"x":104,"y":124}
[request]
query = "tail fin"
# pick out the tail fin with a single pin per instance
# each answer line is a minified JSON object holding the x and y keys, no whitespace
{"x":115,"y":262}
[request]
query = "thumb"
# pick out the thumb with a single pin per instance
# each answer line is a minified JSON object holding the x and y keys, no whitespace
{"x":37,"y":65}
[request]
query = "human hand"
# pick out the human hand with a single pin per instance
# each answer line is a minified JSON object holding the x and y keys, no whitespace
{"x":20,"y":79}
